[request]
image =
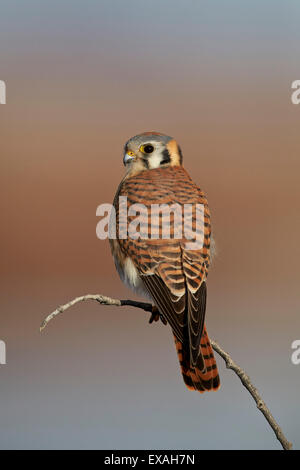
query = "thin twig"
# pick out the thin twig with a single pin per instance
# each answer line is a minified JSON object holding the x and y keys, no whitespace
{"x":102,"y":299}
{"x":245,"y":379}
{"x":230,"y":364}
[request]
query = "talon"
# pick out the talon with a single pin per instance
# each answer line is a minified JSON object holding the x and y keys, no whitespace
{"x":155,"y":316}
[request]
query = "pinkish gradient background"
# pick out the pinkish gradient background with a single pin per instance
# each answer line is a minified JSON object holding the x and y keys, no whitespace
{"x":83,"y":77}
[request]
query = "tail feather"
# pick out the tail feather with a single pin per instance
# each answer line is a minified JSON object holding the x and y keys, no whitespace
{"x":196,"y":379}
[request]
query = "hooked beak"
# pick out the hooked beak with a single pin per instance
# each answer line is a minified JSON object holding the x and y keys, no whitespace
{"x":128,"y":157}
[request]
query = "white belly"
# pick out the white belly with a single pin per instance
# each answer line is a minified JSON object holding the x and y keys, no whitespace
{"x":130,"y":276}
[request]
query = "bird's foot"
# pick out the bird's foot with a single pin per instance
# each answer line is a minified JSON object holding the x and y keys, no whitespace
{"x":155,"y":316}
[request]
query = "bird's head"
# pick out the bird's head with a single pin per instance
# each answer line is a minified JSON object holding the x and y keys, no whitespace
{"x":151,"y":150}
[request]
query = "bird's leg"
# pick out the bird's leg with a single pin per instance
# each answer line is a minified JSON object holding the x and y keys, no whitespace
{"x":155,"y":316}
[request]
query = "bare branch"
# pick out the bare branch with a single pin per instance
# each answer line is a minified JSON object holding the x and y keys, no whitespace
{"x":102,"y":299}
{"x":62,"y":308}
{"x":230,"y":364}
{"x":245,"y":379}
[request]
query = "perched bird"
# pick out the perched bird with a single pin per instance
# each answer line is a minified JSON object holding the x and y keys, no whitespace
{"x":166,"y":269}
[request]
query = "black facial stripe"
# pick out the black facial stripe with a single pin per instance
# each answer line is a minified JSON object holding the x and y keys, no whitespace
{"x":180,"y":155}
{"x":167,"y":157}
{"x":146,"y":163}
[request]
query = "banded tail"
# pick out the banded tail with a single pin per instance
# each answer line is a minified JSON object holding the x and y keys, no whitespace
{"x":196,"y":379}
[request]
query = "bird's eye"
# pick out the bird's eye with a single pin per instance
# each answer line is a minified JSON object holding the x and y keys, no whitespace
{"x":148,"y":148}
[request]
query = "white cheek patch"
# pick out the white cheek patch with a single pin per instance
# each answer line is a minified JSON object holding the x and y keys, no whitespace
{"x":154,"y":161}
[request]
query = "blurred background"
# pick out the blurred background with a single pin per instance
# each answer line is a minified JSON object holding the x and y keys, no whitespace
{"x":83,"y":77}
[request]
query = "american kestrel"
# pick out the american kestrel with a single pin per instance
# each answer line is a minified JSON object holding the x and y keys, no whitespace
{"x":166,"y":269}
